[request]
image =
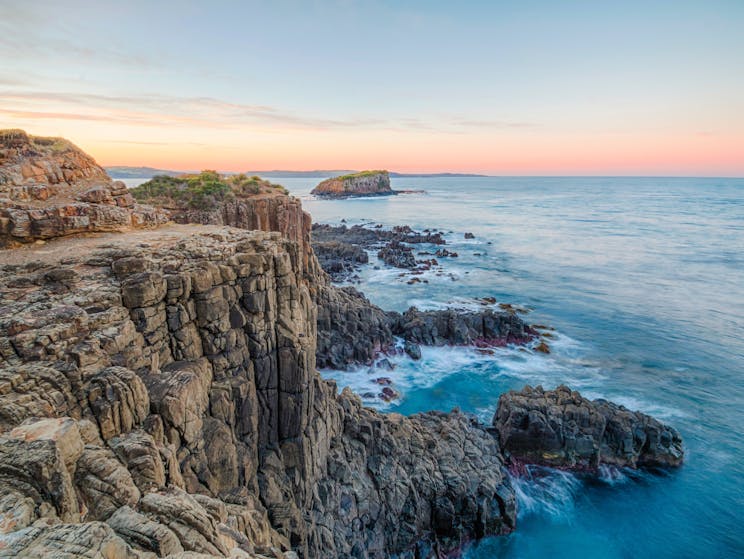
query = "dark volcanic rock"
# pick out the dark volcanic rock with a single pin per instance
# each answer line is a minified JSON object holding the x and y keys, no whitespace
{"x":331,"y":245}
{"x":179,"y":403}
{"x":350,"y":329}
{"x":561,"y":428}
{"x":373,"y":238}
{"x":338,"y":259}
{"x":413,"y":350}
{"x":397,"y":255}
{"x":458,"y":327}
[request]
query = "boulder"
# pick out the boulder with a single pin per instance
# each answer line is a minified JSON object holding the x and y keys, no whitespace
{"x":561,"y":428}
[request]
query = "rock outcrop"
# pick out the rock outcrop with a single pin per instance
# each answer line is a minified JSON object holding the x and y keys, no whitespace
{"x":50,"y":188}
{"x":560,"y":428}
{"x":351,"y":330}
{"x":365,"y":183}
{"x":160,"y":395}
{"x":484,"y":328}
{"x":339,"y":259}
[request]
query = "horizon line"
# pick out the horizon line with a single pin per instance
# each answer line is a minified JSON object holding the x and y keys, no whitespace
{"x":473,"y":173}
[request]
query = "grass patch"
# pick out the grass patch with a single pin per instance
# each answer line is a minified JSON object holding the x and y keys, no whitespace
{"x":360,"y":174}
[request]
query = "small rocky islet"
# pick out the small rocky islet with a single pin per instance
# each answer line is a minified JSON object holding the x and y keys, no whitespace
{"x":364,"y":183}
{"x":160,"y":394}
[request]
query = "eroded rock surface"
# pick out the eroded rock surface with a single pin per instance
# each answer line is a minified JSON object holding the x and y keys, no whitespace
{"x":486,"y":327}
{"x":50,"y":188}
{"x":162,"y":396}
{"x":563,"y":429}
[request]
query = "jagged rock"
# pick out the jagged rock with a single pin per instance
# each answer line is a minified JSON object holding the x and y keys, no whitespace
{"x":103,"y":483}
{"x":37,"y":460}
{"x":32,"y":390}
{"x":245,"y":419}
{"x":222,"y":333}
{"x":339,"y":259}
{"x":561,"y":428}
{"x":91,"y":540}
{"x":450,"y":326}
{"x":142,"y":533}
{"x":118,"y":399}
{"x":50,"y":188}
{"x":397,"y":255}
{"x":179,"y":394}
{"x":185,"y":517}
{"x":412,"y":349}
{"x":139,"y":452}
{"x":350,"y":329}
{"x":17,"y":510}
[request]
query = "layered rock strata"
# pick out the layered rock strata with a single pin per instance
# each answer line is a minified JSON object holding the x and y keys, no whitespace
{"x":160,"y":396}
{"x":50,"y":188}
{"x":366,"y":183}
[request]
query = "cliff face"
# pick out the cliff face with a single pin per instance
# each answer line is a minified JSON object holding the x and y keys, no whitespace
{"x":366,"y":183}
{"x":160,"y":394}
{"x":50,"y":188}
{"x":277,"y":212}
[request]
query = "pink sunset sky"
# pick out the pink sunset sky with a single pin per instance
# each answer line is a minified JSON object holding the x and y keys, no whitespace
{"x":507,"y":88}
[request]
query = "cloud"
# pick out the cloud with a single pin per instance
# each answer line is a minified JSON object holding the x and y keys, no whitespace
{"x":492,"y":124}
{"x":156,"y":110}
{"x":210,"y":112}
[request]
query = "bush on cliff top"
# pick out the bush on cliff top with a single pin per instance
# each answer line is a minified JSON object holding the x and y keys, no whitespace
{"x":204,"y":191}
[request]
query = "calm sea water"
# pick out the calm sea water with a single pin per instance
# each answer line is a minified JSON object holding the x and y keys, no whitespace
{"x":644,"y":281}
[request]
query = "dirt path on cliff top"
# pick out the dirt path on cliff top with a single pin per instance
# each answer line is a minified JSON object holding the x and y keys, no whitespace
{"x":76,"y":246}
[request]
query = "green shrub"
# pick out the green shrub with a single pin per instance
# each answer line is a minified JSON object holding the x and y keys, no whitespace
{"x":204,"y":191}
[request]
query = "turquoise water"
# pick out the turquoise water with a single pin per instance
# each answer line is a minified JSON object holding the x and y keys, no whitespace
{"x":643,"y":280}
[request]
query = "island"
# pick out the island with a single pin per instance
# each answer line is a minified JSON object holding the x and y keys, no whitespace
{"x":364,"y":183}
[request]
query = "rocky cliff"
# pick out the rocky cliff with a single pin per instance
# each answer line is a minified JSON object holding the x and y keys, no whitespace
{"x":50,"y":188}
{"x":159,"y":398}
{"x":159,"y":394}
{"x":366,"y":183}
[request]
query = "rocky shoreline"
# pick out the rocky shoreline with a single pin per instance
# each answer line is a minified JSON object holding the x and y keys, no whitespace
{"x":160,"y":395}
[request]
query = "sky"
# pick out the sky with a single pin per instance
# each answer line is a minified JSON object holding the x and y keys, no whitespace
{"x":526,"y":87}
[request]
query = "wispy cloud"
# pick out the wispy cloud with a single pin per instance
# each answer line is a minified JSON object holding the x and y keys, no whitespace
{"x":210,"y":112}
{"x":493,"y":124}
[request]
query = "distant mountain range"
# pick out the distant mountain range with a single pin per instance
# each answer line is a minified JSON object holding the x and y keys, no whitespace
{"x":124,"y":172}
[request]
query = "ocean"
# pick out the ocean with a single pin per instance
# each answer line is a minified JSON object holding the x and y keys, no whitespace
{"x":643,"y":281}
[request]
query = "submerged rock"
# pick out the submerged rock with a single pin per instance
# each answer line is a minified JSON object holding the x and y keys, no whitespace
{"x":397,"y":255}
{"x":560,"y":428}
